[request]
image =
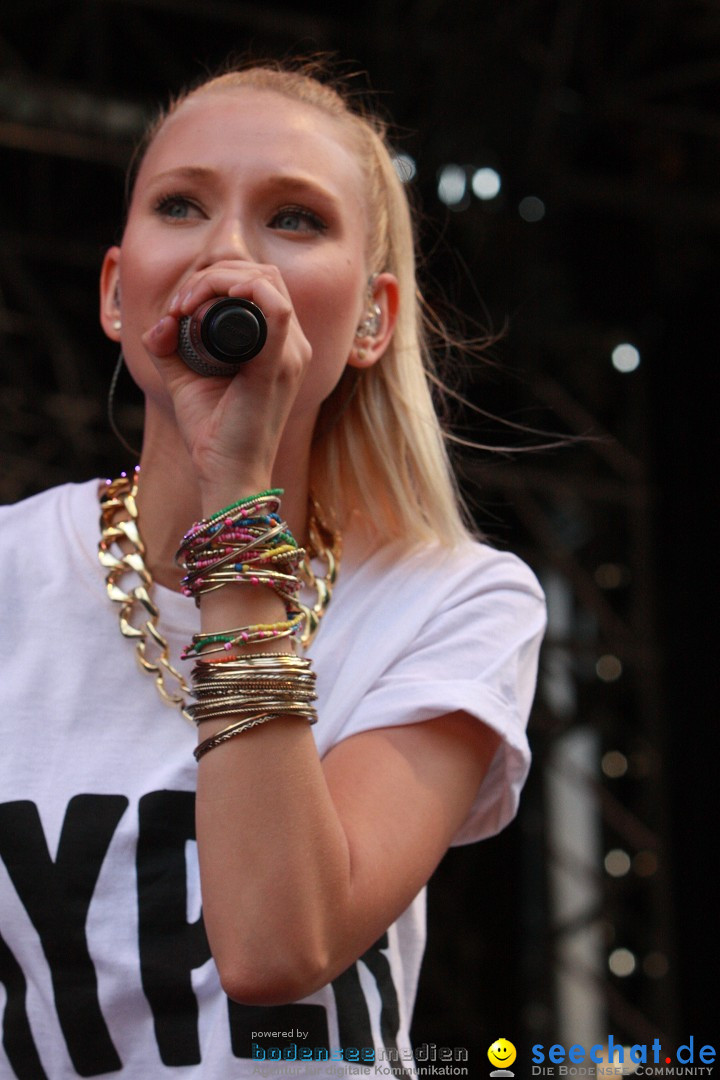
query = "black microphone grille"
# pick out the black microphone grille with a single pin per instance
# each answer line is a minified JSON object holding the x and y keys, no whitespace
{"x":222,"y":335}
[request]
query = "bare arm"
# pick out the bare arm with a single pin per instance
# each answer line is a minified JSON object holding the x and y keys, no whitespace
{"x":304,"y":864}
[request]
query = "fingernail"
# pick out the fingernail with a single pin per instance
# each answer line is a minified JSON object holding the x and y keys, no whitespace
{"x":158,"y":328}
{"x":175,"y":300}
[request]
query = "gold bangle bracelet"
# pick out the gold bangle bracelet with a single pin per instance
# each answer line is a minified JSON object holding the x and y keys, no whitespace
{"x":229,"y":733}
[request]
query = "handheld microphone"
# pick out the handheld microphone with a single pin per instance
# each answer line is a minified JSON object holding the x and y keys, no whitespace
{"x":222,"y":335}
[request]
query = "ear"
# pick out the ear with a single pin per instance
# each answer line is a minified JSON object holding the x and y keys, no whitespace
{"x":110,"y":294}
{"x":366,"y":351}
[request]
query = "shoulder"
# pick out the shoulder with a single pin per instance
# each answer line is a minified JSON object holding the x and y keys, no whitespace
{"x":479,"y":566}
{"x":422,"y":633}
{"x":51,"y":500}
{"x":414,"y":582}
{"x":461,"y":601}
{"x":413,"y":633}
{"x":43,"y":524}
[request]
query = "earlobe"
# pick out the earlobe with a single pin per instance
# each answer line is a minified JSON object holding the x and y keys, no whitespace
{"x":377,"y":323}
{"x":110,"y":318}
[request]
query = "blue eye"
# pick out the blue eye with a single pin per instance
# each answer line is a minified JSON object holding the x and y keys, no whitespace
{"x":296,"y":219}
{"x":176,"y":207}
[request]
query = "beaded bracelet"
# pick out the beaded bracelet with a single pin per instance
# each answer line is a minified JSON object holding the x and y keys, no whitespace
{"x":243,"y":508}
{"x":235,"y":558}
{"x":246,"y":543}
{"x":227,"y":539}
{"x":285,"y":585}
{"x":244,"y":635}
{"x":276,"y":661}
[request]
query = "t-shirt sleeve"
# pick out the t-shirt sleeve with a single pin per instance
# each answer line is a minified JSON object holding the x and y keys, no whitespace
{"x":477,"y":652}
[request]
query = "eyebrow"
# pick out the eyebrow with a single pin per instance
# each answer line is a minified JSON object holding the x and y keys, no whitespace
{"x":278,"y":180}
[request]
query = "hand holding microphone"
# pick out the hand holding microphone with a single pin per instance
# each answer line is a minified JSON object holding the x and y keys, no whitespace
{"x":222,"y":335}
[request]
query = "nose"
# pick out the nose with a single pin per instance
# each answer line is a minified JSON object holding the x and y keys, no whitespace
{"x":226,"y":239}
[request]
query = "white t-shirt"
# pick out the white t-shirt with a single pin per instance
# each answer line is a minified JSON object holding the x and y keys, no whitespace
{"x":104,"y":964}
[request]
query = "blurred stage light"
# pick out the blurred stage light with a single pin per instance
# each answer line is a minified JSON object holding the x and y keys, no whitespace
{"x":625,"y":358}
{"x":452,"y":184}
{"x":486,"y":184}
{"x":617,"y":863}
{"x":531,"y":208}
{"x":405,"y":167}
{"x":622,"y":962}
{"x":608,"y":668}
{"x":614,"y":764}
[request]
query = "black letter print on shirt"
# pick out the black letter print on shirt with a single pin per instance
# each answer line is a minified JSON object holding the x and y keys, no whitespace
{"x":170,"y":947}
{"x":57,"y":896}
{"x":352,"y":1008}
{"x":17,"y":1036}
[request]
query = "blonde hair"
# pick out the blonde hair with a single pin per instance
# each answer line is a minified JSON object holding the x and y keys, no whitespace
{"x":379,"y":447}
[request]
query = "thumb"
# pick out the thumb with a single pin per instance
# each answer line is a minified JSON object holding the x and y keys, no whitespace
{"x":162,"y":339}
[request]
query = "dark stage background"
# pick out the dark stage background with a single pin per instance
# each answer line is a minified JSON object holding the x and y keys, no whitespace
{"x":600,"y":122}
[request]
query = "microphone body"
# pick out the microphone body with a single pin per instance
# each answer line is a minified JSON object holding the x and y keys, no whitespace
{"x":222,"y":335}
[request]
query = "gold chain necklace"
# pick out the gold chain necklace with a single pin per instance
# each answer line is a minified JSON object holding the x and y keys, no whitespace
{"x":121,"y":551}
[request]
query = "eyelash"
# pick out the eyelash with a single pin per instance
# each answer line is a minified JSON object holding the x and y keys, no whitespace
{"x":165,"y":203}
{"x":316,"y":222}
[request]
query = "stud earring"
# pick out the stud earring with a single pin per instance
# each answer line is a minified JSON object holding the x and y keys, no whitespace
{"x":117,"y":325}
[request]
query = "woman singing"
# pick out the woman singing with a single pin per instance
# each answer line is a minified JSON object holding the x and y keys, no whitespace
{"x":220,"y":887}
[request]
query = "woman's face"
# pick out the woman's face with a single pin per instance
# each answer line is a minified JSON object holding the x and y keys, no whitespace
{"x":249,"y":175}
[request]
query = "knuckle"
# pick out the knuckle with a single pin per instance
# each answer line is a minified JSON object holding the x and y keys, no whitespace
{"x":284,"y":310}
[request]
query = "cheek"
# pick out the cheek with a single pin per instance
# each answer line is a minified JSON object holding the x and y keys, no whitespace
{"x":134,"y":286}
{"x":145,"y":267}
{"x":327,"y":306}
{"x":142,"y":287}
{"x":328,"y":317}
{"x":150,"y":260}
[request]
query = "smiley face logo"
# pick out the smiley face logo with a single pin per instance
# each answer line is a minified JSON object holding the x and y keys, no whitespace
{"x":502,"y":1053}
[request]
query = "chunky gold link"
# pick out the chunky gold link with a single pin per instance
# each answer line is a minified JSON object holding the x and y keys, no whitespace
{"x":117,"y":497}
{"x":120,"y":497}
{"x":324,"y":544}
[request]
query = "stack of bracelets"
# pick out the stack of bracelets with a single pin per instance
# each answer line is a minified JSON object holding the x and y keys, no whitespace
{"x":246,"y":543}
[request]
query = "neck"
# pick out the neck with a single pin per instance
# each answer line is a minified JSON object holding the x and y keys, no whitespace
{"x":169,"y":499}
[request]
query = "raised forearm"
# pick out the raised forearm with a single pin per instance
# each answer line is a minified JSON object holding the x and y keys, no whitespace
{"x":274,"y":858}
{"x":275,"y":865}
